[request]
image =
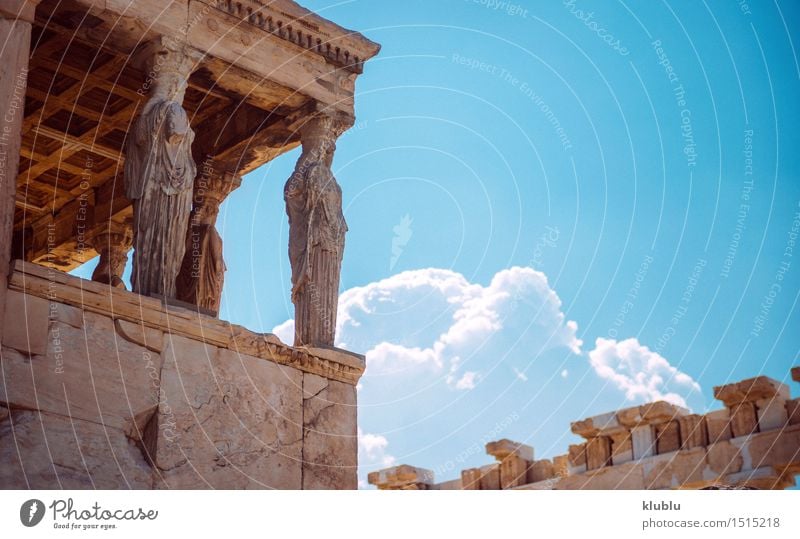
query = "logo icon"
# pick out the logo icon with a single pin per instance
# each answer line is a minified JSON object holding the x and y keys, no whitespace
{"x":31,"y":512}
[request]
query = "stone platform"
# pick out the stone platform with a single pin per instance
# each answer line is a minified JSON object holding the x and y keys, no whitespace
{"x":103,"y":388}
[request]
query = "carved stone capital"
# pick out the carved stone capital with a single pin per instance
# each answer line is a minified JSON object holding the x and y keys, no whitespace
{"x":112,"y":242}
{"x":210,"y":190}
{"x":167,"y":64}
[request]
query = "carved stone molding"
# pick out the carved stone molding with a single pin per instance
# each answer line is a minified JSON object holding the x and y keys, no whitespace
{"x":302,"y":31}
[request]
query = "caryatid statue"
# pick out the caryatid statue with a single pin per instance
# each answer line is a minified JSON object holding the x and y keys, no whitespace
{"x":316,"y":234}
{"x":159,"y":173}
{"x":203,"y":270}
{"x":112,"y":241}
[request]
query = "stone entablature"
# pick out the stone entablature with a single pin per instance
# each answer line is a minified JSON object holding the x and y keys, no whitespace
{"x":754,"y":441}
{"x":150,"y":314}
{"x":104,"y":388}
{"x":303,"y":28}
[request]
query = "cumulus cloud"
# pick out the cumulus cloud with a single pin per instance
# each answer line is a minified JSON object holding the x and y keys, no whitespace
{"x":436,"y":319}
{"x":467,"y":381}
{"x":643,"y":375}
{"x":372,"y":453}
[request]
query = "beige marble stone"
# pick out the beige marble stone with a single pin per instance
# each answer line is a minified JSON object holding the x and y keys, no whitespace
{"x":668,"y":437}
{"x":627,"y":476}
{"x":752,"y":389}
{"x":598,"y":452}
{"x":225,"y":420}
{"x":504,"y":448}
{"x":540,"y":470}
{"x":490,"y":477}
{"x":675,"y":469}
{"x":694,"y":432}
{"x":771,"y":413}
{"x":26,"y":323}
{"x":401,"y":477}
{"x":744,"y":420}
{"x":724,"y":458}
{"x":66,"y":314}
{"x":46,"y":451}
{"x":86,"y":374}
{"x":621,"y":447}
{"x":718,"y":423}
{"x":150,"y":338}
{"x":330,"y":439}
{"x":793,"y":411}
{"x":471,"y":479}
{"x":577,"y":458}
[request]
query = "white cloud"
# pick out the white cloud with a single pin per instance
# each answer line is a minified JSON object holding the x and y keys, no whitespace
{"x":372,"y":453}
{"x":435,"y":319}
{"x":467,"y":381}
{"x":521,"y":375}
{"x":564,"y":373}
{"x":285,"y":331}
{"x":642,"y":374}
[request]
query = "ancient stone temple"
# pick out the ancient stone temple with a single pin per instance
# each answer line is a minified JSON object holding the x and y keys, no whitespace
{"x":753,"y":442}
{"x":125,"y":126}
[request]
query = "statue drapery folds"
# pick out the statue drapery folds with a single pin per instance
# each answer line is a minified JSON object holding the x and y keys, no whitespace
{"x":317,"y":230}
{"x":159,"y":174}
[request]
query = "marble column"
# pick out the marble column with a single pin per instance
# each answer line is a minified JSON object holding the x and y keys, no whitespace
{"x":316,"y":233}
{"x":160,"y":171}
{"x":202,"y":273}
{"x":16,"y":18}
{"x":112,"y":243}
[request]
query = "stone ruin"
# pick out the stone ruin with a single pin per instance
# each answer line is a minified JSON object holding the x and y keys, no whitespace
{"x":126,"y":125}
{"x":754,"y":442}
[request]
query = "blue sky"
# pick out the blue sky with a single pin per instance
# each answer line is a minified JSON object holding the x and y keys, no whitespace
{"x":517,"y":187}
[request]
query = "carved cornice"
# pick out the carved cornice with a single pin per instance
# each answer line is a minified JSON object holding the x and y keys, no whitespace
{"x":290,"y":22}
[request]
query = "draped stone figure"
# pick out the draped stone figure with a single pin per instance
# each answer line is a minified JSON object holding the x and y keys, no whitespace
{"x":159,"y":173}
{"x":316,"y":234}
{"x":202,"y":273}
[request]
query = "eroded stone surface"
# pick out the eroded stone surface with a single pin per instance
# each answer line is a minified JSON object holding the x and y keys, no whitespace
{"x":45,"y":451}
{"x":752,"y":389}
{"x":402,"y":477}
{"x":330,"y":440}
{"x":85,"y":374}
{"x":137,"y":333}
{"x":26,"y":323}
{"x":226,"y":420}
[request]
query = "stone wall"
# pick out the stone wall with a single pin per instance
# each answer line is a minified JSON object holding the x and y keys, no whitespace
{"x":102,"y":388}
{"x":754,"y":441}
